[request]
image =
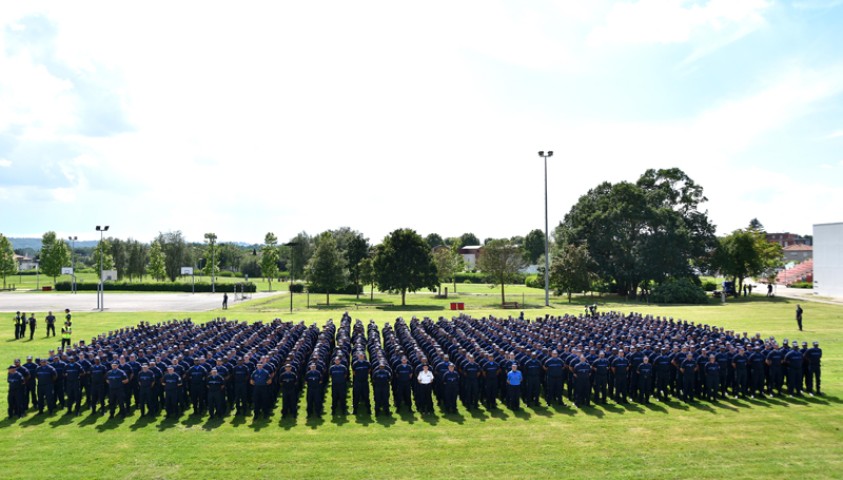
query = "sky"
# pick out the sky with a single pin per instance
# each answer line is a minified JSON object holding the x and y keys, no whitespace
{"x":251,"y":117}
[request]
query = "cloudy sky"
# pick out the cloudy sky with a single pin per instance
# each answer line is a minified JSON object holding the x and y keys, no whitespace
{"x":247,"y":117}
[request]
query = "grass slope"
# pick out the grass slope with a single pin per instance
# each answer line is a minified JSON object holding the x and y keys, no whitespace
{"x":735,"y":439}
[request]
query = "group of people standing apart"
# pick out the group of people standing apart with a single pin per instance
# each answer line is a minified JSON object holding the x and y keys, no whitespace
{"x":223,"y":367}
{"x":21,"y":322}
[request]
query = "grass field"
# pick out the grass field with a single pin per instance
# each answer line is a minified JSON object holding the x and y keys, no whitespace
{"x":735,"y":439}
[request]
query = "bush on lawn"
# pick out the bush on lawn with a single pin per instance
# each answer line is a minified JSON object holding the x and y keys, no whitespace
{"x":157,"y":287}
{"x":679,"y":290}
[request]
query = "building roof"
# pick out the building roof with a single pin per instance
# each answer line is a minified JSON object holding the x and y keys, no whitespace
{"x":798,"y":248}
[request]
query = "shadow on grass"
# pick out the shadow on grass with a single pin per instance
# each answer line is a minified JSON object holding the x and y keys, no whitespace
{"x":364,"y":419}
{"x":339,"y":420}
{"x":259,"y":424}
{"x":64,"y":419}
{"x":409,"y":417}
{"x":90,"y":419}
{"x":430,"y":418}
{"x":655,"y":407}
{"x":314,"y":422}
{"x":142,"y":422}
{"x":213,"y":423}
{"x":566,"y":409}
{"x":192,"y":420}
{"x":168,"y":423}
{"x":541,"y":411}
{"x":35,"y":420}
{"x":385,"y":420}
{"x":111,"y":424}
{"x":238,"y":420}
{"x":457,"y":418}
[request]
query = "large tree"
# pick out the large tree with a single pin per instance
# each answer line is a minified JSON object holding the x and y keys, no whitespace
{"x":746,"y":253}
{"x":138,"y":255}
{"x":356,"y":250}
{"x":326,"y":268}
{"x":120,"y":255}
{"x":448,"y":262}
{"x":55,"y":254}
{"x":571,"y":270}
{"x":269,"y":258}
{"x":649,"y":230}
{"x":8,"y":265}
{"x":500,"y":260}
{"x":434,"y":240}
{"x":403,"y":263}
{"x":102,"y":250}
{"x":175,"y":252}
{"x":212,"y":260}
{"x":299,"y":254}
{"x":468,"y":239}
{"x":157,"y":261}
{"x":534,"y":246}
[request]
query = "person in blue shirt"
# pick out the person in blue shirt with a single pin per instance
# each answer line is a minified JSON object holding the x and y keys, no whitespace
{"x":196,"y":383}
{"x":645,"y":380}
{"x":471,"y":383}
{"x":315,"y":391}
{"x":117,"y":380}
{"x":361,"y":369}
{"x":16,"y":392}
{"x":688,"y":370}
{"x":793,"y":360}
{"x":532,"y":380}
{"x":740,"y":364}
{"x":98,"y":385}
{"x":289,"y":392}
{"x":241,"y":375}
{"x":403,"y":383}
{"x":600,"y":372}
{"x":813,"y":356}
{"x":450,"y":389}
{"x":261,"y":382}
{"x":513,"y":387}
{"x":216,"y":394}
{"x":620,"y":369}
{"x":554,"y":369}
{"x":47,"y":377}
{"x":172,"y":387}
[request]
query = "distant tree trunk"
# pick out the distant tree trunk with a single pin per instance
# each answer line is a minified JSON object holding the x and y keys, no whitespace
{"x":503,"y":297}
{"x":569,"y":296}
{"x":454,"y":278}
{"x":328,"y":298}
{"x":372,"y":292}
{"x":403,"y":295}
{"x":357,"y":284}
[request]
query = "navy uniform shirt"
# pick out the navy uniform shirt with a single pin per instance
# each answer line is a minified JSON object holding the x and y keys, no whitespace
{"x":472,"y":371}
{"x":15,"y":381}
{"x":260,"y":377}
{"x":171,"y":382}
{"x":361,"y":370}
{"x":339,"y":374}
{"x":288,"y":380}
{"x":404,"y":373}
{"x":620,"y":365}
{"x":450,"y":378}
{"x":775,"y":358}
{"x":661,"y":364}
{"x":197,"y":375}
{"x":688,"y":365}
{"x":98,"y":372}
{"x":381,"y":377}
{"x":582,"y":370}
{"x":215,"y":382}
{"x":712,"y":369}
{"x":46,"y":375}
{"x":115,"y":378}
{"x":601,"y":367}
{"x":241,"y":374}
{"x":491,"y":369}
{"x":532,"y":368}
{"x":146,"y":379}
{"x":794,"y":359}
{"x":313,"y":378}
{"x":814,"y":356}
{"x":739,"y":361}
{"x":73,"y":373}
{"x":555,"y":367}
{"x":645,"y":370}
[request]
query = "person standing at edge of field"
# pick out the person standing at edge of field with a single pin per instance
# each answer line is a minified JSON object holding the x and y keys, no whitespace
{"x":68,"y":318}
{"x":799,"y":316}
{"x":51,"y":323}
{"x":225,"y":301}
{"x":32,"y":323}
{"x":17,"y":325}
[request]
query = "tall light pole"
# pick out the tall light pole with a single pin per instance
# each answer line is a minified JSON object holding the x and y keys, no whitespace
{"x":545,"y":156}
{"x":73,"y":260}
{"x":212,"y":240}
{"x":101,"y":292}
{"x":291,"y":245}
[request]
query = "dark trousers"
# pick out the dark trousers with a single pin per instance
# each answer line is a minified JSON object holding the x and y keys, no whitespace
{"x":531,"y":390}
{"x":776,"y":380}
{"x":360,"y":396}
{"x":197,"y":397}
{"x":339,"y":398}
{"x":74,"y":397}
{"x":600,"y":387}
{"x":46,"y":398}
{"x":424,"y":400}
{"x":216,"y":403}
{"x":31,"y":331}
{"x":116,"y":396}
{"x":241,"y":399}
{"x":491,"y":393}
{"x":620,"y":388}
{"x":381,"y":398}
{"x":741,"y":384}
{"x":51,"y":328}
{"x":449,"y":392}
{"x":145,"y":400}
{"x":171,"y":401}
{"x":554,"y":390}
{"x":794,"y":381}
{"x":471,"y":391}
{"x":402,"y":395}
{"x":15,"y":399}
{"x":261,"y":400}
{"x":97,"y":397}
{"x":661,"y":384}
{"x":812,"y":380}
{"x":289,"y":401}
{"x":314,"y":399}
{"x":513,"y":397}
{"x":645,"y":388}
{"x":712,"y":385}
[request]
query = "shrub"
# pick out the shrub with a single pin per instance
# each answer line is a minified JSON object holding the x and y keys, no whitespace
{"x":709,"y":285}
{"x":157,"y":286}
{"x":679,"y":290}
{"x":534,"y":281}
{"x":801,"y":285}
{"x":346,"y":290}
{"x":297,"y":287}
{"x":469,"y":277}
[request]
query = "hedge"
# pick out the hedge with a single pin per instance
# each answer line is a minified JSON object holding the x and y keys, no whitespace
{"x":679,"y":290}
{"x":157,"y":287}
{"x":801,"y":285}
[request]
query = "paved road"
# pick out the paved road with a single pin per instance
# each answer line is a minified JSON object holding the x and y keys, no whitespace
{"x":116,"y":302}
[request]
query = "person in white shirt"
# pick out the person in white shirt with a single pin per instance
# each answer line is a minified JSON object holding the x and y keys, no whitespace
{"x":424,"y":402}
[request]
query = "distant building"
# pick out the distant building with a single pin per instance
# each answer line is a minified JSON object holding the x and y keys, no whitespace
{"x":798,"y":253}
{"x":25,"y":263}
{"x":787,"y":239}
{"x":828,"y":259}
{"x":470,"y":254}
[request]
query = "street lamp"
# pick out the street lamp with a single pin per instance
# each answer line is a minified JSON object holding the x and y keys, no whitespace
{"x":292,"y":257}
{"x":72,"y":240}
{"x":212,"y":240}
{"x":545,"y":156}
{"x":101,"y":292}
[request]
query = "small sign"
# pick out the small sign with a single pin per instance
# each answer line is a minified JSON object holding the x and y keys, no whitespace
{"x":187,"y":270}
{"x":109,"y":275}
{"x":66,"y":271}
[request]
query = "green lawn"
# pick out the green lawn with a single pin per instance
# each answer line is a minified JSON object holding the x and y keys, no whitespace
{"x":735,"y":439}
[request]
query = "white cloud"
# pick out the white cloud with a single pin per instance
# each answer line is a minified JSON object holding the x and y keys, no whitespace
{"x":5,"y":162}
{"x":837,"y":134}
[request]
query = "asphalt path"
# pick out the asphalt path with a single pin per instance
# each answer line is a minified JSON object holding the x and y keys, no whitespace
{"x":118,"y":302}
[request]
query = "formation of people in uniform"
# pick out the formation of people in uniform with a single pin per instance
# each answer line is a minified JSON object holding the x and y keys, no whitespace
{"x":225,"y":367}
{"x":22,"y":321}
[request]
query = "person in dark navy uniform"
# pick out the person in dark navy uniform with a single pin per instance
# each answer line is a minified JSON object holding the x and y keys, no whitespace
{"x":491,"y":370}
{"x":403,"y":385}
{"x":146,"y":382}
{"x":215,"y":384}
{"x":380,"y":384}
{"x":793,"y":360}
{"x":712,"y":378}
{"x":73,"y":374}
{"x":98,"y":385}
{"x":471,"y":382}
{"x":582,"y":383}
{"x":450,"y":389}
{"x":740,"y":364}
{"x":117,"y":380}
{"x":315,"y":391}
{"x":554,"y":369}
{"x":289,"y":392}
{"x":532,"y":380}
{"x":645,"y":380}
{"x":798,"y":319}
{"x":600,"y":376}
{"x":261,"y":381}
{"x":813,"y":357}
{"x":620,"y":368}
{"x":197,"y":376}
{"x":241,"y":375}
{"x":339,"y":387}
{"x":16,"y":392}
{"x":172,"y":384}
{"x":47,"y":376}
{"x":688,"y":370}
{"x":361,"y":369}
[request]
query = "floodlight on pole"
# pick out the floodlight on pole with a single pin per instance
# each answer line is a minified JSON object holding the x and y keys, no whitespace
{"x":72,"y":240}
{"x":101,"y":293}
{"x":545,"y":156}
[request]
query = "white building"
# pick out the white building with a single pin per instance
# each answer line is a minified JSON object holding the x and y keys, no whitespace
{"x":828,"y":259}
{"x":470,"y":254}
